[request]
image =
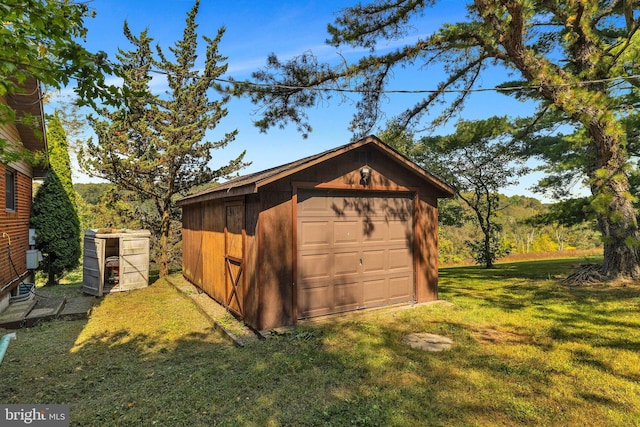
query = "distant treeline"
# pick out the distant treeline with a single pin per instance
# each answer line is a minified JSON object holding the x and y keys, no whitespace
{"x":101,"y":205}
{"x":523,"y":229}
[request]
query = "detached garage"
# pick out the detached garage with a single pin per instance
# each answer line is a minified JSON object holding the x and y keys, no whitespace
{"x":347,"y":229}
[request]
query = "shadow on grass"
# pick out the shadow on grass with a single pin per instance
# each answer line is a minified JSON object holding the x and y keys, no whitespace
{"x":506,"y":367}
{"x":602,"y":317}
{"x":506,"y":382}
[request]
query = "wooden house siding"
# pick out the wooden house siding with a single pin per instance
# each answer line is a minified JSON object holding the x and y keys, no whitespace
{"x":14,"y":223}
{"x":10,"y":133}
{"x":16,"y":226}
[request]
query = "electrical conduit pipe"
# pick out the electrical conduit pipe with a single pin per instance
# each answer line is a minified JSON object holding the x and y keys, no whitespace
{"x":4,"y":343}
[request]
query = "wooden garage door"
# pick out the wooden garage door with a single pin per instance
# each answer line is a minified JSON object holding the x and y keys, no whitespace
{"x":354,"y":250}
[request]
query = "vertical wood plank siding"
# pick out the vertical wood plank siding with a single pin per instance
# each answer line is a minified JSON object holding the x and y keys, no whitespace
{"x":203,"y":247}
{"x":252,"y":281}
{"x":276,"y":266}
{"x":427,"y":249}
{"x":192,"y":235}
{"x":213,"y":277}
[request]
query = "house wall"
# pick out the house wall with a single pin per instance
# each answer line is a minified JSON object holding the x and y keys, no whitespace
{"x":14,"y":225}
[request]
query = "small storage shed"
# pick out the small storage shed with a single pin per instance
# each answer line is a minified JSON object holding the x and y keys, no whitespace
{"x":347,"y":229}
{"x":115,"y":260}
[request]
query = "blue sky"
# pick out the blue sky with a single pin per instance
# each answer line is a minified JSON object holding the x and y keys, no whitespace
{"x":254,"y":29}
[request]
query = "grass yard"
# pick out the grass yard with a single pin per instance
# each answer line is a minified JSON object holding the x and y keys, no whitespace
{"x":528,"y":352}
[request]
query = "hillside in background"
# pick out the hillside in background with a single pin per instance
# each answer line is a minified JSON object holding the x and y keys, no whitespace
{"x":521,"y":231}
{"x":103,"y":206}
{"x":91,"y":193}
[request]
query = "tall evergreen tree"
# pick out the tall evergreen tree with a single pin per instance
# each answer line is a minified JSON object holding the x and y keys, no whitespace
{"x":156,"y":147}
{"x":54,"y":211}
{"x":59,"y":160}
{"x":577,"y":60}
{"x":57,"y":229}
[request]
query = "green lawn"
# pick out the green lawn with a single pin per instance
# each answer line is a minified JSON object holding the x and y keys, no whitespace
{"x":528,"y":352}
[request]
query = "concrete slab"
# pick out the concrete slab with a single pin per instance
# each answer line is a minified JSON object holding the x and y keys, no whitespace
{"x":14,"y":315}
{"x":45,"y":309}
{"x":77,"y":308}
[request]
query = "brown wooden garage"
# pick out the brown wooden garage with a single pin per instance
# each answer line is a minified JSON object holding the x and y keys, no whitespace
{"x":350,"y":228}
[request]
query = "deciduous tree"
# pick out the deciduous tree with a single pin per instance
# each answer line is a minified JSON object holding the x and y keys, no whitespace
{"x":477,"y":161}
{"x":41,"y":40}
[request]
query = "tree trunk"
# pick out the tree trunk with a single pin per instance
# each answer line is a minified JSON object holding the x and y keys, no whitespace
{"x":621,"y":256}
{"x":619,"y":228}
{"x":609,"y":182}
{"x":163,"y":256}
{"x":488,"y":259}
{"x":51,"y":276}
{"x":614,"y":208}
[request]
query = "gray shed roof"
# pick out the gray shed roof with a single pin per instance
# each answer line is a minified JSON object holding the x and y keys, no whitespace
{"x":250,"y":183}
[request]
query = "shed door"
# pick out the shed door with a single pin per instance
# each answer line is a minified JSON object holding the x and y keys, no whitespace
{"x":354,"y":250}
{"x":234,"y":258}
{"x":134,"y":263}
{"x":93,"y":266}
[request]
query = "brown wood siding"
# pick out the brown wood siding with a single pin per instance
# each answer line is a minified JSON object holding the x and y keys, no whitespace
{"x":276,"y":273}
{"x":234,"y":246}
{"x":203,"y":252}
{"x":203,"y":247}
{"x":427,"y":248}
{"x":213,"y":277}
{"x":252,"y":278}
{"x":16,"y":225}
{"x":192,"y":235}
{"x":344,"y":172}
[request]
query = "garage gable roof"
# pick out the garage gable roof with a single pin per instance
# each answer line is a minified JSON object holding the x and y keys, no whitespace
{"x":250,"y":183}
